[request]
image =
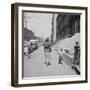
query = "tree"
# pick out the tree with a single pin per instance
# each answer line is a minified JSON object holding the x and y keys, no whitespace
{"x":28,"y":35}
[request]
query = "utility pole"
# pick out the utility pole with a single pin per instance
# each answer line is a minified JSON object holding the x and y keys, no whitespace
{"x":54,"y":27}
{"x":25,"y":21}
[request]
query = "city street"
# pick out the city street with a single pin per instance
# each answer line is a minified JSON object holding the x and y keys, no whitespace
{"x":35,"y":65}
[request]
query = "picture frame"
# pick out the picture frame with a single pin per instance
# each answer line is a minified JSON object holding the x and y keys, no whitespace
{"x":65,"y":48}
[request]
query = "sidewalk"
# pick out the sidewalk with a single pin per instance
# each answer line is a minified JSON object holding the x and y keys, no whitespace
{"x":35,"y":66}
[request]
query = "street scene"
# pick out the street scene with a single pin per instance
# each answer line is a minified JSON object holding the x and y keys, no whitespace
{"x":51,"y":44}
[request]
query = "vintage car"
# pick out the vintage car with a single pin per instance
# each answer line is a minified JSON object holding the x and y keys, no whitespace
{"x":33,"y":45}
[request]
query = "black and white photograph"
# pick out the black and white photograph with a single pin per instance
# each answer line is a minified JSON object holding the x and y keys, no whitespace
{"x":49,"y":44}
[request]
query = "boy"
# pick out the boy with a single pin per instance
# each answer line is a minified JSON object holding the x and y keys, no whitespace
{"x":60,"y":56}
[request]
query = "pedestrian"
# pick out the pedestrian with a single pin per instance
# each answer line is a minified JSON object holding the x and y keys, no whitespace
{"x":60,"y":58}
{"x":25,"y":50}
{"x":76,"y":53}
{"x":47,"y":51}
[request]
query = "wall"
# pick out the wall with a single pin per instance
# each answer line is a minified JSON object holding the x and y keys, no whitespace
{"x":5,"y":45}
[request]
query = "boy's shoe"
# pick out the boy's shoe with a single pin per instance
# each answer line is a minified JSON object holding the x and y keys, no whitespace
{"x":48,"y":63}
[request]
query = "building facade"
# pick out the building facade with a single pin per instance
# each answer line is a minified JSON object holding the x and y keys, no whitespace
{"x":67,"y":25}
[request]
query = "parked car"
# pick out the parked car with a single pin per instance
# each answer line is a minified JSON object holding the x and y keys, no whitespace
{"x":33,"y":45}
{"x":30,"y":49}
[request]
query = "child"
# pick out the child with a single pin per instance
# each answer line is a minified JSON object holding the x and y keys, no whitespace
{"x":59,"y":56}
{"x":60,"y":59}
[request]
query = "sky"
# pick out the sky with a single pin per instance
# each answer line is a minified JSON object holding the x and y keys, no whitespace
{"x":39,"y":23}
